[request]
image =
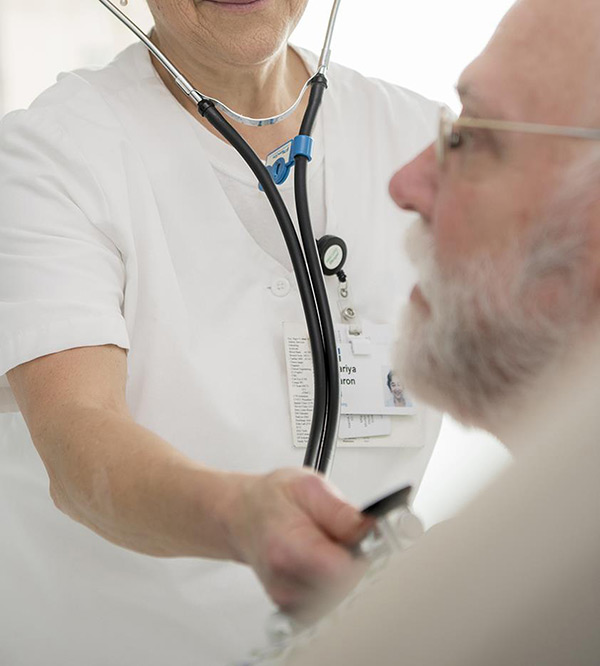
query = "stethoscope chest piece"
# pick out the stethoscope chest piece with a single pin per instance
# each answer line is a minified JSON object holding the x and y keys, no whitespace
{"x":396,"y":528}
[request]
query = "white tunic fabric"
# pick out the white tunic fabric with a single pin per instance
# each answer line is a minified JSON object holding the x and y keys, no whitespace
{"x":115,"y":228}
{"x":252,"y":207}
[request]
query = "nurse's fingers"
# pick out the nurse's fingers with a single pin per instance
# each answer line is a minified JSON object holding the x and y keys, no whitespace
{"x":307,"y":573}
{"x":335,"y":516}
{"x":295,"y":531}
{"x":309,"y":560}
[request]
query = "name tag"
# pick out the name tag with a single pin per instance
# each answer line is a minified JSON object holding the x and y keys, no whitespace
{"x":371,"y":394}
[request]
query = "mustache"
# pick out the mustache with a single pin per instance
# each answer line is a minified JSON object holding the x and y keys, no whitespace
{"x":419,"y":247}
{"x":418,"y":242}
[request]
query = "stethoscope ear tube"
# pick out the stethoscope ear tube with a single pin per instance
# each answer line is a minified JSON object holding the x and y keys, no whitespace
{"x":321,"y":458}
{"x":309,"y":276}
{"x":321,"y":389}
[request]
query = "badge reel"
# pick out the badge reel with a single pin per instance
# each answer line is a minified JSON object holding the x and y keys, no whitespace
{"x":395,"y":529}
{"x":334,"y":252}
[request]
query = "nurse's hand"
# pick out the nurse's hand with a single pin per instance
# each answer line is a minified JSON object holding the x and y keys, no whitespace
{"x":295,"y":531}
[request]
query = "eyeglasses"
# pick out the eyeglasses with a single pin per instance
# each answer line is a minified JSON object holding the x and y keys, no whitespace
{"x":451,"y":137}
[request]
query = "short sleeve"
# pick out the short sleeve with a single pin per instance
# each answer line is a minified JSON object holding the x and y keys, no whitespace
{"x":62,"y":277}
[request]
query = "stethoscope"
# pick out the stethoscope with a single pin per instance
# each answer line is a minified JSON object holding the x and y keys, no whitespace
{"x":311,"y":259}
{"x":395,"y":526}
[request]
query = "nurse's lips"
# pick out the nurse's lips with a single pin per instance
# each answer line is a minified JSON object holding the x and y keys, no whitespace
{"x":238,"y":5}
{"x":416,"y":297}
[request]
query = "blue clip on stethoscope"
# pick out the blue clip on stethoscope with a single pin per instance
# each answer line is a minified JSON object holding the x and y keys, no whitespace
{"x":310,"y":259}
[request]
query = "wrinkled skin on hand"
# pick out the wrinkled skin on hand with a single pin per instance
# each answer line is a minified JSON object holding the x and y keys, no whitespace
{"x":296,"y":532}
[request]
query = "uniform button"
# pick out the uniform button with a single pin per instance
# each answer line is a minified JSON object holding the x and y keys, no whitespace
{"x":280,"y":287}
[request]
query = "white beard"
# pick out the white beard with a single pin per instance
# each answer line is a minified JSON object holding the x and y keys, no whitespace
{"x":489,"y":336}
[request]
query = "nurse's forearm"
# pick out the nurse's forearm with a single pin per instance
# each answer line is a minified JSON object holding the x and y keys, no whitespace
{"x":138,"y":491}
{"x":133,"y":488}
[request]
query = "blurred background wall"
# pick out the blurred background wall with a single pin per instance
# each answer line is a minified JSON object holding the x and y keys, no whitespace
{"x":423,"y":45}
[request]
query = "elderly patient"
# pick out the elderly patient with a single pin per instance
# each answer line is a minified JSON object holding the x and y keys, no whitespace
{"x":506,"y":309}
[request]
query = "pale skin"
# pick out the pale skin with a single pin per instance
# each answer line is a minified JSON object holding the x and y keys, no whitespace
{"x":496,"y":184}
{"x":240,"y":58}
{"x":123,"y":481}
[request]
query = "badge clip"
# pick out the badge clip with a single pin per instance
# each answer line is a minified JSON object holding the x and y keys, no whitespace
{"x":348,"y":310}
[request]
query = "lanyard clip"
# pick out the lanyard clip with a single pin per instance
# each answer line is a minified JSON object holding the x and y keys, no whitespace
{"x":347,"y":308}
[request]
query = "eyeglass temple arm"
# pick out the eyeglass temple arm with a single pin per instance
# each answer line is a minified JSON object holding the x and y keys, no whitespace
{"x":529,"y":128}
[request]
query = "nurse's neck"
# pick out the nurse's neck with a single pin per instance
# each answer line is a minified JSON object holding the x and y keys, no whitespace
{"x":257,"y":91}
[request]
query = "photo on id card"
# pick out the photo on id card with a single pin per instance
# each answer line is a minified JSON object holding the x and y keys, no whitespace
{"x":369,"y":385}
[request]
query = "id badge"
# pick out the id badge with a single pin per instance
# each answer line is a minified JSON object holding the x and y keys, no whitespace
{"x":372,"y":395}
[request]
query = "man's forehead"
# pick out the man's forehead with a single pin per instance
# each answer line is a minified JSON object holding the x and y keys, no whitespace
{"x":544,"y":58}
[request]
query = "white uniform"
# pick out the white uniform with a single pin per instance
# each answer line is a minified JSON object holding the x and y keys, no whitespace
{"x":116,"y":229}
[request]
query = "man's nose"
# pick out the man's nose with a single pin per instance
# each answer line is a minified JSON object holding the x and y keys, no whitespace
{"x":414,"y":186}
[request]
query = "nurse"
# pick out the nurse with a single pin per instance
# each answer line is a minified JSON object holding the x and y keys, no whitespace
{"x":140,"y":269}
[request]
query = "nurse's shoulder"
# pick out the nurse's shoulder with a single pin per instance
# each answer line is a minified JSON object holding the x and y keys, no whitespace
{"x":385,"y":124}
{"x":73,"y":139}
{"x":394,"y":117}
{"x":82,"y":104}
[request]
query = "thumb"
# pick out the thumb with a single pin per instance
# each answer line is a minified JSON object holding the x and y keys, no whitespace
{"x":334,"y":515}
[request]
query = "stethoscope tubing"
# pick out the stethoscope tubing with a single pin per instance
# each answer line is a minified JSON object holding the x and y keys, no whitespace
{"x":316,"y":307}
{"x":321,"y":458}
